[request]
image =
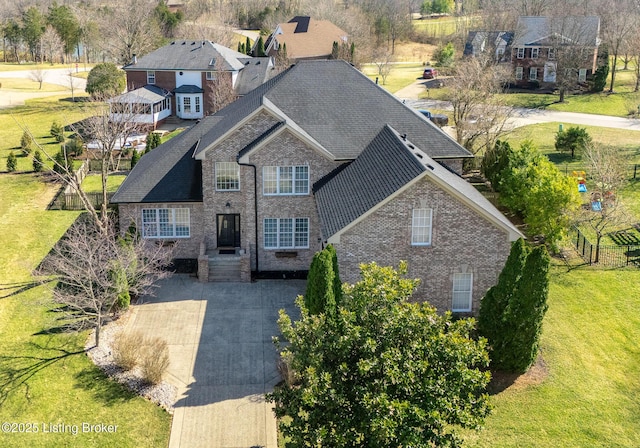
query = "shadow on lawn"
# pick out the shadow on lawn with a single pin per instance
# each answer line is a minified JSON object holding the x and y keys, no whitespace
{"x":16,"y":371}
{"x":12,"y":289}
{"x":109,"y":392}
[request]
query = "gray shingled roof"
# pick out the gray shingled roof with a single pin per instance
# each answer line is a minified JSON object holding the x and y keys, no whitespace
{"x":369,"y":175}
{"x":256,"y":71}
{"x":169,"y":173}
{"x":144,"y":95}
{"x":365,"y":182}
{"x":340,"y":108}
{"x":190,"y":54}
{"x":188,"y":88}
{"x":580,"y":30}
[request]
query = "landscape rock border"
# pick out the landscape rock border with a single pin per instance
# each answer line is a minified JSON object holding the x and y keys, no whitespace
{"x":163,"y":394}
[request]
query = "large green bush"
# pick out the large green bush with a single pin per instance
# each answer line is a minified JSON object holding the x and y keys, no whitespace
{"x":574,"y":139}
{"x":105,"y":80}
{"x":323,"y":283}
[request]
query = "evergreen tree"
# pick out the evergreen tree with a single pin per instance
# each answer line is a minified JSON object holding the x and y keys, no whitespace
{"x":320,"y":294}
{"x":153,"y":141}
{"x":335,"y":51}
{"x":37,"y":162}
{"x":240,"y":47}
{"x":492,"y":307}
{"x":57,"y":131}
{"x":134,"y":158}
{"x":524,"y":314}
{"x":260,"y":51}
{"x":495,"y":161}
{"x":62,"y":164}
{"x":26,"y":142}
{"x":12,"y":162}
{"x":247,"y":46}
{"x":337,"y":283}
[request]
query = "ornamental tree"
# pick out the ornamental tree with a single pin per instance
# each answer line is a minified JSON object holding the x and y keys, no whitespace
{"x":323,"y":283}
{"x":382,"y":371}
{"x":105,"y":80}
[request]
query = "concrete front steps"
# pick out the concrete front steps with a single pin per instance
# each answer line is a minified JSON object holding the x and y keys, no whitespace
{"x":225,"y":268}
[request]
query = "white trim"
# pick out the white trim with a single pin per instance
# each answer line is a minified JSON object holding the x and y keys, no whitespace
{"x":582,"y":75}
{"x":417,"y":225}
{"x":519,"y":73}
{"x":467,"y":277}
{"x":518,"y":52}
{"x":294,"y":169}
{"x":278,"y":233}
{"x":535,"y":53}
{"x":173,"y":222}
{"x":215,"y":175}
{"x":150,"y":74}
{"x":533,"y":73}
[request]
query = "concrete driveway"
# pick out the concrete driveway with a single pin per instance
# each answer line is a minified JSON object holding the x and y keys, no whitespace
{"x":222,"y":357}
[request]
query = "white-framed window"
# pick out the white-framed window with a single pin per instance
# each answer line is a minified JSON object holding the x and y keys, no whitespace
{"x":462,"y":292}
{"x":209,"y":76}
{"x":535,"y":52}
{"x":227,"y":176}
{"x":421,"y":227}
{"x":197,"y":104}
{"x":552,"y":54}
{"x":582,"y":75}
{"x":166,"y":223}
{"x":520,"y":53}
{"x":533,"y":73}
{"x":519,"y":73}
{"x":285,"y":180}
{"x":151,"y":77}
{"x":186,"y":104}
{"x":286,"y":233}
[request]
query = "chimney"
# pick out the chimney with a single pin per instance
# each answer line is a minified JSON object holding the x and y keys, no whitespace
{"x":135,"y":59}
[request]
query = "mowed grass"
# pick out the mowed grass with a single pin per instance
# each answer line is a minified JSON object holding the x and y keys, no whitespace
{"x":93,"y":183}
{"x":401,"y":75}
{"x":28,"y":66}
{"x":27,"y":85}
{"x":444,"y":26}
{"x":586,"y":395}
{"x":37,"y":115}
{"x":543,"y":137}
{"x":45,"y":378}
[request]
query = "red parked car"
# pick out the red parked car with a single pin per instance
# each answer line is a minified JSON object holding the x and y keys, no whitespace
{"x":429,"y":73}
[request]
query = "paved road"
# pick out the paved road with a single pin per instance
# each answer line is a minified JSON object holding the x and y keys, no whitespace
{"x":58,"y":76}
{"x":524,"y":117}
{"x":222,"y":358}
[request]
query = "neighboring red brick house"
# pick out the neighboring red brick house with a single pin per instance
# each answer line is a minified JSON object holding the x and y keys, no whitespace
{"x":544,"y":45}
{"x":179,"y":78}
{"x":320,"y":154}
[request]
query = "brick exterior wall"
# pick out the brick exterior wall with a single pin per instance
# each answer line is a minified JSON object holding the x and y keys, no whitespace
{"x":283,"y":150}
{"x":462,"y":241}
{"x":184,"y":247}
{"x":589,"y":63}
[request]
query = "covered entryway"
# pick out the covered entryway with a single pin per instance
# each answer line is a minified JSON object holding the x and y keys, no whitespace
{"x":228,"y":230}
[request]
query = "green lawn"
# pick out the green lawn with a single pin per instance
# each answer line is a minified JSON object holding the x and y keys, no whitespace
{"x":588,"y":395}
{"x":543,"y":136}
{"x":37,"y":115}
{"x":443,"y":26}
{"x":27,"y":85}
{"x":401,"y":75}
{"x":45,"y":378}
{"x":93,"y":183}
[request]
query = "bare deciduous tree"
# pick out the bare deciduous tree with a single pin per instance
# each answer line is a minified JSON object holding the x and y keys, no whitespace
{"x":479,"y":115}
{"x":38,"y":75}
{"x":607,"y":169}
{"x":383,"y":61}
{"x":619,"y":25}
{"x":93,"y":267}
{"x":221,"y":92}
{"x":51,"y":44}
{"x":129,"y":27}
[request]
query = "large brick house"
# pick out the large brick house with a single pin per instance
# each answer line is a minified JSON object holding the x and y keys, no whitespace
{"x":543,"y":45}
{"x":180,"y":79}
{"x":320,"y":154}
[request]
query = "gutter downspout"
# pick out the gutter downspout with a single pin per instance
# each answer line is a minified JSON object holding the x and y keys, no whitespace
{"x":255,"y":206}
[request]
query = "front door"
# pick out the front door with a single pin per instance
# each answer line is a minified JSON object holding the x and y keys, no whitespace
{"x":228,"y":230}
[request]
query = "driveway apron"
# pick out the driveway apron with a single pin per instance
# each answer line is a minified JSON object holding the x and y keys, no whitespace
{"x":222,"y":356}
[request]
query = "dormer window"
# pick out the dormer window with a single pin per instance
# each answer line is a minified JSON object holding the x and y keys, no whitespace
{"x":151,"y":77}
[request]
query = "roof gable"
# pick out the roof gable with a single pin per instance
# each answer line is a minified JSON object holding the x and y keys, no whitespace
{"x":352,"y":193}
{"x":575,"y":30}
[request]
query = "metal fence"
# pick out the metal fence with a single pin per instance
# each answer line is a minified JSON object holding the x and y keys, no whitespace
{"x":609,"y":256}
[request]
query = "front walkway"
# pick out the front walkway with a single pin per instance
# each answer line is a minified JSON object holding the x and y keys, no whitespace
{"x":222,"y":357}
